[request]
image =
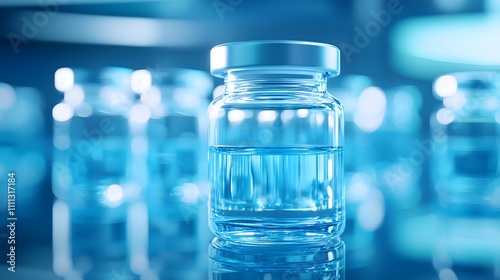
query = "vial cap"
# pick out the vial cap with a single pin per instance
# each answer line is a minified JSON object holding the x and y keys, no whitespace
{"x":298,"y":55}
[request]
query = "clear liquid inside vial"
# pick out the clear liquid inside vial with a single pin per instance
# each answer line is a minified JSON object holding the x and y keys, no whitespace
{"x":276,"y":194}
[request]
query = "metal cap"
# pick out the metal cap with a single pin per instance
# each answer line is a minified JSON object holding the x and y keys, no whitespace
{"x":275,"y":54}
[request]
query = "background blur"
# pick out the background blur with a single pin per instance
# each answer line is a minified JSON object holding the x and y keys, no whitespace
{"x":393,"y":48}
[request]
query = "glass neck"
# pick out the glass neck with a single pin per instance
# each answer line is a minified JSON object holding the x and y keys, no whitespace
{"x":269,"y":80}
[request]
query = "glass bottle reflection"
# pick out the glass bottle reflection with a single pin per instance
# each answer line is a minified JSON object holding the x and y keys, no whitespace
{"x":278,"y":261}
{"x":88,"y":249}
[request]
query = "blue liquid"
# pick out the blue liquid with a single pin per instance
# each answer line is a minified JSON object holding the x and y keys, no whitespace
{"x":267,"y":195}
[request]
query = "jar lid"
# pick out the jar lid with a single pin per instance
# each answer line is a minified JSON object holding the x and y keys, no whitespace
{"x":275,"y":54}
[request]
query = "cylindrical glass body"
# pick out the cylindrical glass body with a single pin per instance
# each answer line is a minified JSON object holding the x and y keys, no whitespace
{"x":466,"y":138}
{"x":173,"y":226}
{"x":91,"y":171}
{"x":91,"y":138}
{"x":276,"y":261}
{"x":276,"y":157}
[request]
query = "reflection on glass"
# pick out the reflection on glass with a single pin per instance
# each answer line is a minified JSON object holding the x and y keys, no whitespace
{"x":168,"y":228}
{"x":87,"y":247}
{"x":278,"y":261}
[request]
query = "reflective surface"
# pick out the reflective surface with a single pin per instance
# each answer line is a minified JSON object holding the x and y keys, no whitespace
{"x":233,"y":261}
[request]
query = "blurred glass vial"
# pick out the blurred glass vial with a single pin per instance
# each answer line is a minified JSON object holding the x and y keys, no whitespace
{"x":466,"y":138}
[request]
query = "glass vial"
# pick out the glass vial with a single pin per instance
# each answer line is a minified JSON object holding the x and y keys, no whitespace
{"x":91,"y":137}
{"x":169,"y":228}
{"x":91,"y":172}
{"x":275,"y":144}
{"x":466,"y":138}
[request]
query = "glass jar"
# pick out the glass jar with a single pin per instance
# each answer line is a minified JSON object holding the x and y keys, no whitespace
{"x":91,"y":171}
{"x":171,"y":111}
{"x":466,"y":140}
{"x":275,"y":144}
{"x":91,"y":137}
